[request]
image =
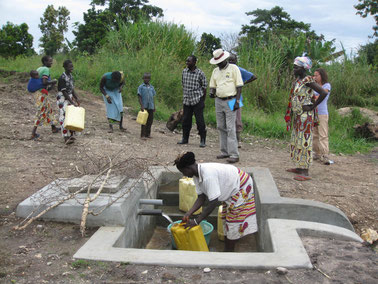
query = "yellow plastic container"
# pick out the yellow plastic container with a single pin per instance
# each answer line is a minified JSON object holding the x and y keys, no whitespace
{"x":220,"y":224}
{"x":142,"y":117}
{"x":75,"y":118}
{"x":189,"y":238}
{"x":187,"y":195}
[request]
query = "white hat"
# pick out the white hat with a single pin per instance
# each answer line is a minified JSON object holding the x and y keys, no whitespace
{"x":219,"y":56}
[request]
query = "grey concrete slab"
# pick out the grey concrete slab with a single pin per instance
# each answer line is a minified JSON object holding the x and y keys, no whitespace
{"x":112,"y":185}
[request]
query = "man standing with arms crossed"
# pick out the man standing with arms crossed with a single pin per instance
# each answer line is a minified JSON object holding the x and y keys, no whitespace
{"x":194,"y":88}
{"x":225,"y":85}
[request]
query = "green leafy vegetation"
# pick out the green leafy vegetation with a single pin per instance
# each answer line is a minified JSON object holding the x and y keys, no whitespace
{"x":15,"y":40}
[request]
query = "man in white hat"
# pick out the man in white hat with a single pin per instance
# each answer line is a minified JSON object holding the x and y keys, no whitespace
{"x":225,"y":85}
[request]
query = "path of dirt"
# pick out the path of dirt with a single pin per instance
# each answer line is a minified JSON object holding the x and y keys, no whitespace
{"x":43,"y":252}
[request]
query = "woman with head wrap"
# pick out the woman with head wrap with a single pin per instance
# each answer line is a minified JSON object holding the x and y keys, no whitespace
{"x":301,"y":116}
{"x":225,"y":183}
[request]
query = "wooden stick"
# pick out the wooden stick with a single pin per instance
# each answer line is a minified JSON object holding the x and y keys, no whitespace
{"x":88,"y":200}
{"x":322,"y":272}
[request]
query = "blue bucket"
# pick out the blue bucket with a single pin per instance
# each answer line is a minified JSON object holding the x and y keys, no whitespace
{"x":207,"y":229}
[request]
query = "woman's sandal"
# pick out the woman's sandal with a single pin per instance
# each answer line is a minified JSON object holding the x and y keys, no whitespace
{"x":294,"y":170}
{"x":55,"y":130}
{"x":35,"y":137}
{"x":302,"y":178}
{"x":68,"y":141}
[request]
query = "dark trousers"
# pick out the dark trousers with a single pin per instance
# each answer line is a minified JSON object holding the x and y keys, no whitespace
{"x":146,"y":129}
{"x":197,"y":110}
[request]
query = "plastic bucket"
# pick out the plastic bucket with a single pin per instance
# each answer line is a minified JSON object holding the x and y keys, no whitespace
{"x":207,"y":229}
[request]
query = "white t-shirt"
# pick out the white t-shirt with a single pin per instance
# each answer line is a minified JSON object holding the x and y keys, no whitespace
{"x":217,"y":181}
{"x":322,"y":107}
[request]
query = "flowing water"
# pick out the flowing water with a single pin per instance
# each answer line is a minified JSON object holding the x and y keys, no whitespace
{"x":167,"y":217}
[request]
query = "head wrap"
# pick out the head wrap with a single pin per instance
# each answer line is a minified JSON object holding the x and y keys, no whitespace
{"x":184,"y":160}
{"x":304,"y":62}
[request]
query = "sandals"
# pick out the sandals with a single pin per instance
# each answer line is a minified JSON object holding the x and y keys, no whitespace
{"x":302,"y":178}
{"x":35,"y":137}
{"x":294,"y":170}
{"x":68,"y":141}
{"x":55,"y":130}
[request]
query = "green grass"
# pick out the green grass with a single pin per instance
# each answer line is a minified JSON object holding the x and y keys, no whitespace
{"x":80,"y":263}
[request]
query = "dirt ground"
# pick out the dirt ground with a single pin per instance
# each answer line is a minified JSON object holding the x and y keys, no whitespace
{"x":42,"y":253}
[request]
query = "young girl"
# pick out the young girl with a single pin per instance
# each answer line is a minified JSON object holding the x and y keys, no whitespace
{"x":44,"y":111}
{"x":320,"y":144}
{"x":66,"y":95}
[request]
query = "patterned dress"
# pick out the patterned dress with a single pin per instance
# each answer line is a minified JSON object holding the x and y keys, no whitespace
{"x":303,"y":123}
{"x":44,"y":114}
{"x":65,"y":83}
{"x":239,"y":211}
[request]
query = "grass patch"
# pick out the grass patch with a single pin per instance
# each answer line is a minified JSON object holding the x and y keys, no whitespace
{"x":80,"y":263}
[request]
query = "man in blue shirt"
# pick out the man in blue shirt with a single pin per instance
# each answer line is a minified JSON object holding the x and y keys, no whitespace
{"x":146,"y":94}
{"x":247,"y":77}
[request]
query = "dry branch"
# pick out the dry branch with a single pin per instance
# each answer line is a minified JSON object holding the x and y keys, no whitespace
{"x":88,"y":200}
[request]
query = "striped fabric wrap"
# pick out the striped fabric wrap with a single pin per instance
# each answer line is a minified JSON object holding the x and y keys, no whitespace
{"x":239,"y":211}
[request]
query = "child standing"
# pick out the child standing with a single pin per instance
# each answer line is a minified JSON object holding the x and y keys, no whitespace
{"x":146,"y":94}
{"x":66,"y":96}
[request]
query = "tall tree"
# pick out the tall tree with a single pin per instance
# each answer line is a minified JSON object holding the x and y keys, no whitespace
{"x":91,"y":34}
{"x":275,"y":21}
{"x":53,"y":26}
{"x":15,"y":40}
{"x":208,"y":43}
{"x":366,"y":7}
{"x":130,"y":11}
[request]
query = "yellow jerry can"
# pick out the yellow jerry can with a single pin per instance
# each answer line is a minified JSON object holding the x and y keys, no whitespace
{"x":187,"y":195}
{"x":220,"y":224}
{"x":189,"y":238}
{"x":75,"y":118}
{"x":142,"y":117}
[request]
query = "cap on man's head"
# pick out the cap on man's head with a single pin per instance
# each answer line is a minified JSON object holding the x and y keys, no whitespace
{"x":219,"y":55}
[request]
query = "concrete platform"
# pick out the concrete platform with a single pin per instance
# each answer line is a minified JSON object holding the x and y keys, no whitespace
{"x":280,"y":221}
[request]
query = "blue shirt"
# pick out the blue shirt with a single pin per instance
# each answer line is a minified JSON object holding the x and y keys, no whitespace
{"x":246,"y":75}
{"x":35,"y":84}
{"x":147,"y":93}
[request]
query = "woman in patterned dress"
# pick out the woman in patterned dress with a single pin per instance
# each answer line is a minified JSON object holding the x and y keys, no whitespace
{"x":301,"y":116}
{"x":225,"y":183}
{"x":44,"y":114}
{"x":66,"y":96}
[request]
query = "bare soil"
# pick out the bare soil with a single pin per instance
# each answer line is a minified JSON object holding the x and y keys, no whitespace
{"x":42,"y":253}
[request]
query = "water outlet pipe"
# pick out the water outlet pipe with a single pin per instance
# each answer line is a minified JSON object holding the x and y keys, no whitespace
{"x":153,"y":212}
{"x":151,"y":201}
